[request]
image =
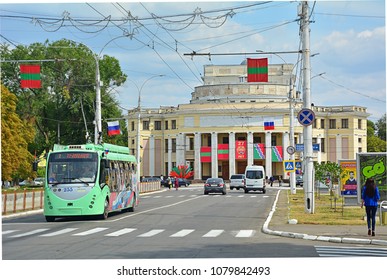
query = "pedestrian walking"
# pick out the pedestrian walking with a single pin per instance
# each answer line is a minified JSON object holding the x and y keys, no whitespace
{"x":271,"y":181}
{"x":176,"y":183}
{"x":169,"y":182}
{"x":370,"y":196}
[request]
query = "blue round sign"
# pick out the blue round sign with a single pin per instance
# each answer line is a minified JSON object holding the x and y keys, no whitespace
{"x":306,"y":117}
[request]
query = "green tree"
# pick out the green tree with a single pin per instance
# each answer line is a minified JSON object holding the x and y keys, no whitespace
{"x":374,"y":143}
{"x":16,"y":160}
{"x":381,"y":127}
{"x":68,"y":89}
{"x":330,"y":170}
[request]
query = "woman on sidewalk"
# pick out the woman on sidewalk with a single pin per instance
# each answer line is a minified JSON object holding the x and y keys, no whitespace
{"x":370,"y":196}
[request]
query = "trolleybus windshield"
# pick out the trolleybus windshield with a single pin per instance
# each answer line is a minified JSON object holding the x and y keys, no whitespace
{"x":72,"y":167}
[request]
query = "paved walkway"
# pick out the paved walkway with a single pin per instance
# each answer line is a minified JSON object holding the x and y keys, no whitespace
{"x":277,"y":224}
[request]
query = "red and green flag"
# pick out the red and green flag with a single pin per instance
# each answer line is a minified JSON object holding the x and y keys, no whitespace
{"x":30,"y":76}
{"x":257,"y":70}
{"x":223,"y":152}
{"x":205,"y":154}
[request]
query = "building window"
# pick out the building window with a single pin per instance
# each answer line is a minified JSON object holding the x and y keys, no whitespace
{"x":157,"y":125}
{"x":191,"y":144}
{"x":166,"y":125}
{"x":332,"y":124}
{"x":322,"y":145}
{"x":359,"y":123}
{"x":174,"y":145}
{"x":273,"y":141}
{"x":145,"y":125}
{"x":166,"y":145}
{"x":322,"y":123}
{"x":132,"y":141}
{"x":344,"y":123}
{"x":173,"y":124}
{"x":359,"y":149}
{"x":358,"y":140}
{"x":132,"y":125}
{"x":314,"y":125}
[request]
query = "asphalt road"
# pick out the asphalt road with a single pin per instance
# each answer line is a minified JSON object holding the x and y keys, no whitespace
{"x":167,"y":224}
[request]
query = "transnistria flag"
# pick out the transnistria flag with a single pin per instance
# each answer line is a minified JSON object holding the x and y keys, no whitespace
{"x":205,"y":154}
{"x":114,"y":128}
{"x":268,"y":125}
{"x":257,"y":70}
{"x":223,"y":151}
{"x":30,"y":76}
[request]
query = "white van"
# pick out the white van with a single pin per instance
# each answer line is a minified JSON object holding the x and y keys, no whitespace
{"x":255,"y":179}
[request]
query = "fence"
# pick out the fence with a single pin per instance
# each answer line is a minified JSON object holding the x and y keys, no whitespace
{"x":21,"y":201}
{"x":14,"y":202}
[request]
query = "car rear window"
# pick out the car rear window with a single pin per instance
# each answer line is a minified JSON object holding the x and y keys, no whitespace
{"x":237,"y":177}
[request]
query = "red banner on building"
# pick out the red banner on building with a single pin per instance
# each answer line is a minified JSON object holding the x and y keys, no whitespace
{"x":205,"y":154}
{"x":223,"y":152}
{"x":240,"y":149}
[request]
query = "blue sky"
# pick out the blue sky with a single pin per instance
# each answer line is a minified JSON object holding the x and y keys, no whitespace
{"x":349,"y":37}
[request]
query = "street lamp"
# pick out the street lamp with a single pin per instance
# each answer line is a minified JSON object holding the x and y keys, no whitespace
{"x":138,"y":154}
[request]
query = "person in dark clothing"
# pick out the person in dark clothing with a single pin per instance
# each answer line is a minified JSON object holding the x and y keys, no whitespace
{"x":271,"y":181}
{"x":370,"y":196}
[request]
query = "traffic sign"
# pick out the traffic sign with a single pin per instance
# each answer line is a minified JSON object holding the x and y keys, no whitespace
{"x":289,"y":165}
{"x":291,"y":150}
{"x":300,"y":147}
{"x":306,"y":117}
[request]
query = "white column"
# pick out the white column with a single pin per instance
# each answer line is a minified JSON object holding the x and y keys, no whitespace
{"x":180,"y":149}
{"x":231,"y":155}
{"x":268,"y":154}
{"x":214,"y":154}
{"x":250,"y":148}
{"x":169,"y":154}
{"x":152,"y":155}
{"x":285,"y":144}
{"x":197,"y":164}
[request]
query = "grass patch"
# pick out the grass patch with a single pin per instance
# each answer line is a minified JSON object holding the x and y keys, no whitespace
{"x":326,"y":213}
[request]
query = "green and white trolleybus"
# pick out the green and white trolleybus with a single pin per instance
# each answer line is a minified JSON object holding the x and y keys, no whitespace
{"x":89,"y":179}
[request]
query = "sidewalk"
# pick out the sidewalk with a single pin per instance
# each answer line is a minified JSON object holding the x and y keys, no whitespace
{"x":277,"y":224}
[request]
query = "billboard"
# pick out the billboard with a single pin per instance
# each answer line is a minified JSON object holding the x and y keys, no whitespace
{"x":348,"y":183}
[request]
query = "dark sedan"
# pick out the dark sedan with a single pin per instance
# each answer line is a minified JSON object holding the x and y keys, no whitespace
{"x":215,"y":185}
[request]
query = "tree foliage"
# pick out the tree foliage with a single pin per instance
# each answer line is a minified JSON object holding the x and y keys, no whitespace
{"x":68,"y":75}
{"x":16,"y":134}
{"x":375,"y":142}
{"x":381,"y":127}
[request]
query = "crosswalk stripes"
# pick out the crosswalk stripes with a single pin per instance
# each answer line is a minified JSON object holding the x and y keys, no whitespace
{"x":336,"y":251}
{"x":120,"y":232}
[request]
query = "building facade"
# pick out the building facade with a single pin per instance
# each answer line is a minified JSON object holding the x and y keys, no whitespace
{"x":230,"y":124}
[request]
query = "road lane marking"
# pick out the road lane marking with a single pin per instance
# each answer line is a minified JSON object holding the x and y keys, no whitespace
{"x":214,"y":233}
{"x":91,"y":231}
{"x":63,"y":231}
{"x":245,"y":233}
{"x":29,"y":232}
{"x":9,"y":231}
{"x":151,"y":233}
{"x":121,"y":232}
{"x":182,"y":233}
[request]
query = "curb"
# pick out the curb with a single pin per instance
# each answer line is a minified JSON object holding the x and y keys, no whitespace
{"x":304,"y":236}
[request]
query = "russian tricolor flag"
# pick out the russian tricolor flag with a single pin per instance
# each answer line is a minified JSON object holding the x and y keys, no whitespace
{"x":114,"y":128}
{"x":268,"y":125}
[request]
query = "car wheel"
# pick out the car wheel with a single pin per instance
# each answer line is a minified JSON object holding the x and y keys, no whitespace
{"x":264,"y":191}
{"x":246,"y":190}
{"x":50,"y":219}
{"x":231,"y":188}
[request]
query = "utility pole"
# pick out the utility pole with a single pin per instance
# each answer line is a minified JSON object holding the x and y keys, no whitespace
{"x":98,"y":117}
{"x":308,"y":148}
{"x":291,"y":124}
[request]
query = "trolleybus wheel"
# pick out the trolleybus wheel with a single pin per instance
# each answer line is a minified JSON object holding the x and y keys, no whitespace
{"x":131,"y":209}
{"x":50,"y":219}
{"x":105,"y":213}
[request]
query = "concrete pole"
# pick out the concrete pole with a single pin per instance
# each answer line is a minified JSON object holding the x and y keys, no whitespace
{"x":308,"y":148}
{"x":98,"y":117}
{"x":292,"y":179}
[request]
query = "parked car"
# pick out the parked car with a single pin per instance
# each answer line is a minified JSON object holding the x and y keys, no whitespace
{"x":39,"y":181}
{"x":237,"y":181}
{"x":182,"y":182}
{"x":299,"y":180}
{"x":215,"y":185}
{"x":150,"y":179}
{"x":25,"y":183}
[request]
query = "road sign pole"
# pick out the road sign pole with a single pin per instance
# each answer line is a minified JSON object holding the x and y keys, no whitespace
{"x":308,"y":150}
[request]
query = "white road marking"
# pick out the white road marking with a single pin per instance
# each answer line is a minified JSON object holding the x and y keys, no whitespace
{"x":91,"y":231}
{"x":66,"y":230}
{"x":30,"y":232}
{"x":182,"y":233}
{"x":151,"y":233}
{"x":214,"y":233}
{"x":121,"y":232}
{"x":245,"y":233}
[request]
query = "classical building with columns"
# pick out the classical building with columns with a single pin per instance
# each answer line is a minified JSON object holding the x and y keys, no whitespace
{"x":230,"y":123}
